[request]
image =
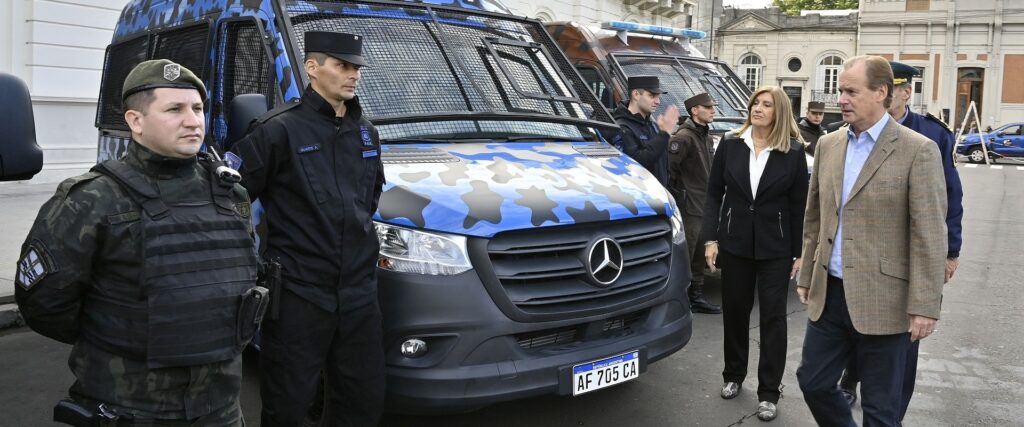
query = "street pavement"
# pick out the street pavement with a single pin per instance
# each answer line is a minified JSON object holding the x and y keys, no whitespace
{"x":971,"y":371}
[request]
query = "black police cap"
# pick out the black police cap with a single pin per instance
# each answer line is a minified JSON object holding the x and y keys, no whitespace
{"x":346,"y":47}
{"x":902,"y":73}
{"x":648,"y":83}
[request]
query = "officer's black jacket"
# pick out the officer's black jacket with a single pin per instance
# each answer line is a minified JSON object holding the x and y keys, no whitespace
{"x":641,"y":140}
{"x":810,"y":132}
{"x":319,"y":178}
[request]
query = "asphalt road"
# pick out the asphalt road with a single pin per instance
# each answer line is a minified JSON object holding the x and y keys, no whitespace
{"x":971,"y":372}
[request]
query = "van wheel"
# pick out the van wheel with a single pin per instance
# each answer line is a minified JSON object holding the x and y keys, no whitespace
{"x":315,"y":416}
{"x":975,"y":155}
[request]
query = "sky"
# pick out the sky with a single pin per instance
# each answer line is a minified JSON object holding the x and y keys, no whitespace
{"x":747,"y":4}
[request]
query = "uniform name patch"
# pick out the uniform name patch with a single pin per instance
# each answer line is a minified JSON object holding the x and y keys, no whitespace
{"x":369,"y":153}
{"x":309,"y":148}
{"x":31,"y":268}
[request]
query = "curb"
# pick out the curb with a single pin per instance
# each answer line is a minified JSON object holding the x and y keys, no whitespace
{"x":10,"y":317}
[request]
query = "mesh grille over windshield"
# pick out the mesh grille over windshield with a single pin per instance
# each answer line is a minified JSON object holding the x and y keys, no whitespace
{"x":423,"y":63}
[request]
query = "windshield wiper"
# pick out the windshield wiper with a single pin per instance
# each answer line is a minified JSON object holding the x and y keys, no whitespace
{"x":414,"y":141}
{"x":543,"y":137}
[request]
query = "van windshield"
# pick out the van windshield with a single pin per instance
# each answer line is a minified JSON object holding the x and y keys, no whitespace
{"x":455,"y":74}
{"x":685,"y":77}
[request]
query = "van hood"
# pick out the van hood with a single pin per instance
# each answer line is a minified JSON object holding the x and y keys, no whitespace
{"x":481,"y":189}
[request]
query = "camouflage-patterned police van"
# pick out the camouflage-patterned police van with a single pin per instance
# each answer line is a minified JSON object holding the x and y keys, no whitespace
{"x":520,"y":253}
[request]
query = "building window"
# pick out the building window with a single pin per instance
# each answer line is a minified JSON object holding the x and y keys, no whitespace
{"x":795,"y":64}
{"x":750,"y":71}
{"x":828,"y":74}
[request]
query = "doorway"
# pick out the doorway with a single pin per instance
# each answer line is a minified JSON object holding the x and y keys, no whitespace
{"x":794,"y":94}
{"x":969,"y":84}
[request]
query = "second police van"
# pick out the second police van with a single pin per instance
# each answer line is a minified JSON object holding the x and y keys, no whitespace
{"x":520,"y":254}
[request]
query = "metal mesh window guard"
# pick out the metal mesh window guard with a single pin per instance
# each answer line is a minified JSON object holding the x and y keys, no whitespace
{"x":418,"y":67}
{"x":120,"y":60}
{"x":186,"y":46}
{"x":683,"y":80}
{"x":245,"y":69}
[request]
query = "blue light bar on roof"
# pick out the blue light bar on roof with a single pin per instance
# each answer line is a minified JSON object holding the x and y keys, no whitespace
{"x":652,"y":29}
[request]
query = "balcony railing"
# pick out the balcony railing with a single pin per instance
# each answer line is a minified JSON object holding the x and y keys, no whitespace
{"x":831,"y":99}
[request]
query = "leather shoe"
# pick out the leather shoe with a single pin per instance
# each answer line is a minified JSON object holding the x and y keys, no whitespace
{"x":701,"y":305}
{"x":767,"y":411}
{"x":730,"y":390}
{"x":849,"y":394}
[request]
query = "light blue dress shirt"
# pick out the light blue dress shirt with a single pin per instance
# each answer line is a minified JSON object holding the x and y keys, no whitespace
{"x":857,"y":150}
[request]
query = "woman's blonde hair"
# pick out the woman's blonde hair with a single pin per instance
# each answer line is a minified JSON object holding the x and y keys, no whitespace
{"x":784,"y":127}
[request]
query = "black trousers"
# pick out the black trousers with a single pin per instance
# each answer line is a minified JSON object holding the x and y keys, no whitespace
{"x":694,"y":247}
{"x":742,"y":278}
{"x":306,"y":341}
{"x":829,"y":343}
{"x":909,"y":376}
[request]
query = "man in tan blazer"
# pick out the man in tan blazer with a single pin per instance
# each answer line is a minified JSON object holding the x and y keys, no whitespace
{"x":873,"y":253}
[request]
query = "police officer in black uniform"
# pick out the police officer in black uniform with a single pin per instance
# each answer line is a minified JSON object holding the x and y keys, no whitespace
{"x":643,"y":138}
{"x":933,"y":128}
{"x":315,"y":166}
{"x":146,"y":264}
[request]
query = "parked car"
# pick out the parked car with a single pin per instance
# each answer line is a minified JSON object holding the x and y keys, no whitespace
{"x":1005,"y":141}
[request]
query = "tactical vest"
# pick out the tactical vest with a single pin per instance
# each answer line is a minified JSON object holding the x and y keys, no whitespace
{"x":199,"y":268}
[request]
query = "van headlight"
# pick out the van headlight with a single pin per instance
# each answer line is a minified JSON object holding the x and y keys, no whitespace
{"x":411,"y":251}
{"x":678,"y":236}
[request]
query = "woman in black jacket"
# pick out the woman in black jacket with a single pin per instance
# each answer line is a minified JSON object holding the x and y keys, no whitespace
{"x":753,"y":225}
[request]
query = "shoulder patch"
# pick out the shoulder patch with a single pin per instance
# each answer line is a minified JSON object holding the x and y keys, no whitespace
{"x":673,"y":147}
{"x":33,"y":266}
{"x":929,"y":116}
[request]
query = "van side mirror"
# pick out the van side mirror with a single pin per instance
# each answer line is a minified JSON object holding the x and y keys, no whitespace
{"x":20,"y":156}
{"x":244,"y":109}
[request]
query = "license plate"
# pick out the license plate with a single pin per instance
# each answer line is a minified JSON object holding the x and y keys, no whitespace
{"x":596,"y":375}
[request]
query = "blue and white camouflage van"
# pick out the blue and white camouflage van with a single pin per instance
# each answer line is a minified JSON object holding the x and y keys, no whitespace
{"x":521,"y":254}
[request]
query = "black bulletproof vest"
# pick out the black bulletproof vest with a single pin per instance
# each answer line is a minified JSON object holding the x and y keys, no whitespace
{"x":198,"y":261}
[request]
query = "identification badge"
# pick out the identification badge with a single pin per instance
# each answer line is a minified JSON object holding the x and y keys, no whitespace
{"x":369,"y":153}
{"x":364,"y":134}
{"x":309,"y":148}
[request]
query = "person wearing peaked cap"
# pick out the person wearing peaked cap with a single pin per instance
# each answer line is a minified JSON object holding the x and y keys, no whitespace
{"x":327,"y":316}
{"x":810,"y":125}
{"x":935,"y":130}
{"x":89,"y":271}
{"x":690,"y":152}
{"x":642,"y":137}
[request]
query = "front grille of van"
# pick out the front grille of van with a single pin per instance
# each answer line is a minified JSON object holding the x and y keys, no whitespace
{"x":542,"y":272}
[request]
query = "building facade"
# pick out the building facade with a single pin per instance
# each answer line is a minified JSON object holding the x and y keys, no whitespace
{"x":967,"y":51}
{"x":57,"y":48}
{"x":669,"y":13}
{"x":802,"y":54}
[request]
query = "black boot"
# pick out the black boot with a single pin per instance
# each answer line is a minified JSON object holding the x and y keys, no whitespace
{"x":697,"y":302}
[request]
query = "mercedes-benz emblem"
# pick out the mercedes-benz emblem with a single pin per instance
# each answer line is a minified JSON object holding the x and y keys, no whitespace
{"x":604,"y":261}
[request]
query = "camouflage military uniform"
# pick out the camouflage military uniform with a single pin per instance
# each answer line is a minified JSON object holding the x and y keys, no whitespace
{"x":87,"y":240}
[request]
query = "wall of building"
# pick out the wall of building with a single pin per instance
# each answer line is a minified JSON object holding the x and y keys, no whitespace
{"x":57,"y":48}
{"x":776,"y":39}
{"x":946,"y":36}
{"x":590,"y":11}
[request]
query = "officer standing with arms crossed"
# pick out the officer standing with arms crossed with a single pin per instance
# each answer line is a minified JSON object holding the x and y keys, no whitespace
{"x":146,"y":265}
{"x":690,"y":152}
{"x":643,"y":138}
{"x":931,"y":127}
{"x":315,"y":166}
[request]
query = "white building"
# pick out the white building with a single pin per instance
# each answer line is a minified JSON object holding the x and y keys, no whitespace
{"x":967,"y":51}
{"x":802,"y":54}
{"x":670,"y":13}
{"x":57,"y":48}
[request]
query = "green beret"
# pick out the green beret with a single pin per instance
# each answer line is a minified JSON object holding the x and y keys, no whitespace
{"x":157,"y":73}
